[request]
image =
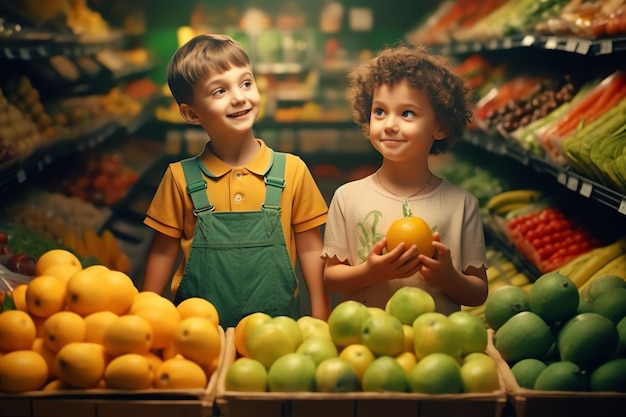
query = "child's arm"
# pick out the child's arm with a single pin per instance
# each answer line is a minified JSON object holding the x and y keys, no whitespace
{"x":160,"y":263}
{"x":399,"y":263}
{"x":466,"y":288}
{"x":309,"y":246}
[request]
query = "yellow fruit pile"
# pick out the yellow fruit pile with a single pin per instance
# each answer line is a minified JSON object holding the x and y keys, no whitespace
{"x":103,"y":247}
{"x":406,"y":347}
{"x":83,"y":328}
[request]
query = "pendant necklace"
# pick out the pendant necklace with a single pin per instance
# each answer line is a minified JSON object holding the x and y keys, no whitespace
{"x":404,"y":199}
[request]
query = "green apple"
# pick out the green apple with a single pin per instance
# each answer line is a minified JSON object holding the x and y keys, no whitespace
{"x":385,"y":374}
{"x":473,"y":329}
{"x":268,"y":342}
{"x":436,"y":373}
{"x":313,"y":327}
{"x":336,"y":375}
{"x":292,"y":372}
{"x":246,"y":374}
{"x":291,"y":327}
{"x":345,"y":320}
{"x":436,"y":333}
{"x":479,"y":373}
{"x":407,"y":303}
{"x":318,"y":349}
{"x":383,"y":334}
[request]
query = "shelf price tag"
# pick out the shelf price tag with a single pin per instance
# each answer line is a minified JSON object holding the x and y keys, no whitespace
{"x":572,"y":183}
{"x":562,"y":178}
{"x":586,"y":189}
{"x":507,"y":43}
{"x":583,"y":46}
{"x":571,"y":44}
{"x":551,"y":43}
{"x":606,"y":47}
{"x":622,"y":206}
{"x":528,"y":40}
{"x":21,"y":176}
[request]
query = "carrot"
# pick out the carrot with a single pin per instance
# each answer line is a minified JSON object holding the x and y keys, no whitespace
{"x":571,"y":119}
{"x":611,"y":95}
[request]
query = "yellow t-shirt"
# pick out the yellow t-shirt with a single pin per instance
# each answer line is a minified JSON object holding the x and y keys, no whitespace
{"x":236,"y":189}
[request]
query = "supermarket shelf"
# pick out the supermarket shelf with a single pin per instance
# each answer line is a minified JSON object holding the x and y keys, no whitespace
{"x":568,"y":178}
{"x":581,"y":46}
{"x":35,"y":45}
{"x":98,"y":133}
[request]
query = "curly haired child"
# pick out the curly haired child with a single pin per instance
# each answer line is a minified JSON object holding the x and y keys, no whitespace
{"x":411,"y":105}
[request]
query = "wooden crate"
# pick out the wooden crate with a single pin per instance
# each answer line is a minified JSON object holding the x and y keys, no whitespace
{"x":533,"y":403}
{"x":116,"y":403}
{"x":356,"y":404}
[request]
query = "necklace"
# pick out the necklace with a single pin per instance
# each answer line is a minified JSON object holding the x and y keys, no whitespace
{"x":404,"y":199}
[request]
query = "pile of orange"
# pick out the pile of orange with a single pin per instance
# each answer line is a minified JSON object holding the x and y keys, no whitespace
{"x":75,"y":327}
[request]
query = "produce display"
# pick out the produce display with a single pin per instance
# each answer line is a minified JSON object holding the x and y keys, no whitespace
{"x":75,"y":327}
{"x":556,"y":337}
{"x":406,"y":347}
{"x":467,"y":20}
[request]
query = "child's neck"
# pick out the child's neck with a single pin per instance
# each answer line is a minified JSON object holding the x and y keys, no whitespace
{"x":235,"y":153}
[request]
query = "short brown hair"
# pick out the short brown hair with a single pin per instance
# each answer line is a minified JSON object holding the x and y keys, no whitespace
{"x":203,"y":54}
{"x":450,"y":97}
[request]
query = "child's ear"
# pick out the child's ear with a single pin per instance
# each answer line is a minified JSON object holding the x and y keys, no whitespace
{"x":189,"y":114}
{"x":441,"y":133}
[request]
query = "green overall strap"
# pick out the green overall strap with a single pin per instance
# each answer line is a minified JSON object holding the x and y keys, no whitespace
{"x":275,"y":182}
{"x":196,"y":185}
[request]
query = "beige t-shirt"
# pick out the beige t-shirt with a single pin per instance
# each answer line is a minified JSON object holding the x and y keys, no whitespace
{"x":360,"y":214}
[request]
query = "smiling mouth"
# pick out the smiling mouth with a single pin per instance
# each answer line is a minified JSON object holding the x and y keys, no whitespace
{"x":240,"y":113}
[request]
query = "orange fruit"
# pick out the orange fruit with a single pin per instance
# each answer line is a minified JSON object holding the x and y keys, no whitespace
{"x":19,"y":297}
{"x":148,"y":301}
{"x":197,"y":339}
{"x":17,"y":331}
{"x":81,"y":365}
{"x":63,"y":272}
{"x":179,"y":373}
{"x":154,"y":359}
{"x":411,"y":230}
{"x":128,"y":334}
{"x":245,"y":326}
{"x":63,"y":328}
{"x":45,"y":296}
{"x":54,"y":385}
{"x":22,"y":370}
{"x":55,"y":257}
{"x":96,"y":324}
{"x":163,"y":324}
{"x":169,"y":352}
{"x":130,"y":371}
{"x":86,"y":292}
{"x":48,"y":355}
{"x":121,"y":290}
{"x":198,"y":307}
{"x":142,"y":295}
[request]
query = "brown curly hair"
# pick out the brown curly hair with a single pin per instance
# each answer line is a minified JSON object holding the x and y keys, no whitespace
{"x":448,"y":93}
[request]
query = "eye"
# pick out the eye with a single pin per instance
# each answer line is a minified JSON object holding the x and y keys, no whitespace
{"x":246,"y":84}
{"x":218,"y":92}
{"x":378,"y":112}
{"x":408,"y":113}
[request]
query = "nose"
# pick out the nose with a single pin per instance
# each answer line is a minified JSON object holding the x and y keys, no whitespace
{"x":237,"y":96}
{"x":391,"y":125}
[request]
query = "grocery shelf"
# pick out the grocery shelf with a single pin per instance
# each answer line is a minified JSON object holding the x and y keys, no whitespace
{"x":98,"y":133}
{"x":35,"y":45}
{"x":564,"y":175}
{"x":571,"y":44}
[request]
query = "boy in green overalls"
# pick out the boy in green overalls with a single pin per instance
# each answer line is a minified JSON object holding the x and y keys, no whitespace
{"x":239,"y":211}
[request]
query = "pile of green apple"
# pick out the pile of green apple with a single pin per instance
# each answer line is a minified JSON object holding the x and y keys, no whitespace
{"x":405,"y":347}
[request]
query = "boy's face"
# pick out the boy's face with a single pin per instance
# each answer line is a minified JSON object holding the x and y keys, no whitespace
{"x":226,"y":103}
{"x":403,"y":123}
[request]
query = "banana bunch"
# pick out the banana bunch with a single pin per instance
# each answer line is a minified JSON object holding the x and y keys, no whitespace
{"x":500,"y":272}
{"x":103,"y":247}
{"x":605,"y":260}
{"x":513,"y":201}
